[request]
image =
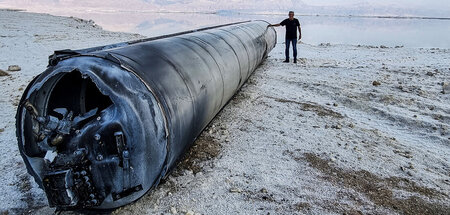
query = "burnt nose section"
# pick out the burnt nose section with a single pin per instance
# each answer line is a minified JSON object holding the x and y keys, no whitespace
{"x":79,"y":128}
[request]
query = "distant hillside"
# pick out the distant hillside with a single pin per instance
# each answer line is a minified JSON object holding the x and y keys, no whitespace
{"x":355,"y":7}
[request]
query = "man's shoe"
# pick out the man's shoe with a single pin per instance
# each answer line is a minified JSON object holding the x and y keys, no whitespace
{"x":295,"y":60}
{"x":286,"y":61}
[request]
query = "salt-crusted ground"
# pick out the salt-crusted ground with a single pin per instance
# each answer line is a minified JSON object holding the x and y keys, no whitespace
{"x":349,"y":129}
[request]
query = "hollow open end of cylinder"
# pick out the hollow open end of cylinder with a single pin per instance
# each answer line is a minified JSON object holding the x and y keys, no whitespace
{"x":91,"y":134}
{"x":75,"y":143}
{"x":58,"y":109}
{"x":76,"y":93}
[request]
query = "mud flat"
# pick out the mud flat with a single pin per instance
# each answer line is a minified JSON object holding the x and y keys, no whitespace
{"x":349,"y":129}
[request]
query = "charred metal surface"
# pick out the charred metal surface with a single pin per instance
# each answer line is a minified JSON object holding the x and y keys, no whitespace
{"x":102,"y":126}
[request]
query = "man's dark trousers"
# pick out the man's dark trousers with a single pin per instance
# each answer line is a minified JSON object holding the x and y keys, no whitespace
{"x":294,"y":47}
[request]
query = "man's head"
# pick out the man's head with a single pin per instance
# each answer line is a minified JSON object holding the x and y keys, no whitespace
{"x":291,"y":14}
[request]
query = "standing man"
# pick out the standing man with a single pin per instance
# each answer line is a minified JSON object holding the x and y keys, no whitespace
{"x":292,"y":24}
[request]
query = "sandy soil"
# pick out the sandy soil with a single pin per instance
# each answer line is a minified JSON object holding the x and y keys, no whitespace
{"x":347,"y":130}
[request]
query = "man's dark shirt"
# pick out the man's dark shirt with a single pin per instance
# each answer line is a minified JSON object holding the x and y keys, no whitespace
{"x":291,"y":28}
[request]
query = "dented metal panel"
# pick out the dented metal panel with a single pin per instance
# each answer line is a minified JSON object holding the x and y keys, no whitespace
{"x":102,"y":126}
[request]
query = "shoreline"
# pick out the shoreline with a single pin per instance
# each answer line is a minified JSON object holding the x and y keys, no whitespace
{"x":307,"y":138}
{"x":231,"y":12}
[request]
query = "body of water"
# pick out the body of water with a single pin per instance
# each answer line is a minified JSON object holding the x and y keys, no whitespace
{"x":409,"y":32}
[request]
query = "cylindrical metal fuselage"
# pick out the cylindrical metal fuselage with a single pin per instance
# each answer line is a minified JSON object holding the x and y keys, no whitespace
{"x":102,"y":126}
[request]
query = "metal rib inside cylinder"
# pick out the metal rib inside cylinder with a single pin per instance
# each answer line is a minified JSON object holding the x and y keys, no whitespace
{"x":101,"y":126}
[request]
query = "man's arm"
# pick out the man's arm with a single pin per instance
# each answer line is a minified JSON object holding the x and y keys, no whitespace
{"x":280,"y":24}
{"x":300,"y":33}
